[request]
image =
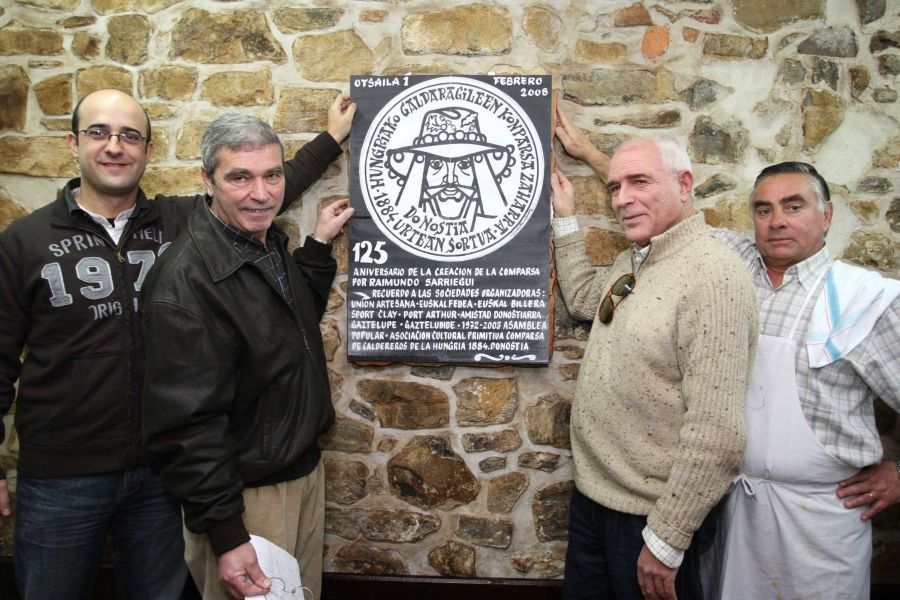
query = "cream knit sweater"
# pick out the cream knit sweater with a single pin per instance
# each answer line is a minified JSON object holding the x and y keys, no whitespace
{"x":657,"y":422}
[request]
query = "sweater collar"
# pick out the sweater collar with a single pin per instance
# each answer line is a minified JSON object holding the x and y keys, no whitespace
{"x":676,"y":237}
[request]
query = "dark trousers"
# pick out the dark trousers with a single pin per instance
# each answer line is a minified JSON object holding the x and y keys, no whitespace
{"x":62,"y":524}
{"x":604,"y":545}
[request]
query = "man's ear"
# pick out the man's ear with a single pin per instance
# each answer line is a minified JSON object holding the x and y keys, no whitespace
{"x":829,"y":213}
{"x":207,"y":181}
{"x":72,"y":139}
{"x":685,"y":185}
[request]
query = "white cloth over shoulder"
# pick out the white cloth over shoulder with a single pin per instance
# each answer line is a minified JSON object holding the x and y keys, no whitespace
{"x":851,"y":301}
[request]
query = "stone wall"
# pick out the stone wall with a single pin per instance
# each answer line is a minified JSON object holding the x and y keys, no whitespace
{"x":465,"y":471}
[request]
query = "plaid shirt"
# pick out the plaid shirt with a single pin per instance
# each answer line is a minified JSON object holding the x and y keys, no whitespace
{"x":837,"y":399}
{"x":264,"y":257}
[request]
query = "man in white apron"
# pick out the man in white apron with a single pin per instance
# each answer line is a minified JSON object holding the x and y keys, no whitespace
{"x":797,"y":523}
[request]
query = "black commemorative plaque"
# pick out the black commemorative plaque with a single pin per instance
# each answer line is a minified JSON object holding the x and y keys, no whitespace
{"x":450,"y":241}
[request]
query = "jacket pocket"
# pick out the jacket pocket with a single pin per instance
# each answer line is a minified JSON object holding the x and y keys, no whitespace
{"x":270,"y":417}
{"x":95,"y":409}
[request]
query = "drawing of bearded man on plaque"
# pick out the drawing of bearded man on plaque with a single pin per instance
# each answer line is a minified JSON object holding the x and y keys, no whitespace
{"x":450,"y":172}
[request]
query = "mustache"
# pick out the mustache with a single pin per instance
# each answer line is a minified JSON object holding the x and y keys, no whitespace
{"x":436,"y":190}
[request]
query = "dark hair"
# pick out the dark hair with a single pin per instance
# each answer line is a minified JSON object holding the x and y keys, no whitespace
{"x":75,"y":125}
{"x":817,"y":183}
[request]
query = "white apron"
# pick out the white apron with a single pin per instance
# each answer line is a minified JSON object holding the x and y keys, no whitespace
{"x":784,"y":533}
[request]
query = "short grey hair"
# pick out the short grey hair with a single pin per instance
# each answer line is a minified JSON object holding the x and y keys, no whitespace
{"x":235,"y":131}
{"x":672,"y":154}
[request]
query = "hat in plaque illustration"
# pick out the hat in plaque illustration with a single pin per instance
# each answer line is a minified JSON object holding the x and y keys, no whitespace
{"x":451,"y":171}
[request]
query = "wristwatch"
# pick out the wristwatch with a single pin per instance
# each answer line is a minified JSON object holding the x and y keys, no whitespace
{"x":318,"y":239}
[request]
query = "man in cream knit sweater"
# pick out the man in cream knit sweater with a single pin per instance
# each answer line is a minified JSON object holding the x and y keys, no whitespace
{"x":657,"y":425}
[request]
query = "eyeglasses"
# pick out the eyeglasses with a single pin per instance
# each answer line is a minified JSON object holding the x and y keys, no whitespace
{"x":279,"y":586}
{"x":132,"y":138}
{"x":623,"y":286}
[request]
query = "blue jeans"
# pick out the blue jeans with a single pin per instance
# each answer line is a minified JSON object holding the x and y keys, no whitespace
{"x":604,"y":545}
{"x":62,"y":524}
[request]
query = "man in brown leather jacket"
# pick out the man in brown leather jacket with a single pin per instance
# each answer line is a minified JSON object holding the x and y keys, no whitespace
{"x":237,"y":390}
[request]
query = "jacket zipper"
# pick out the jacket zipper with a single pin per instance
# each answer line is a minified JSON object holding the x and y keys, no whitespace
{"x":130,"y":316}
{"x":296,"y":316}
{"x":127,"y":312}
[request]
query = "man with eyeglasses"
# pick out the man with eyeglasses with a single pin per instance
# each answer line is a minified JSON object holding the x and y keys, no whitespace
{"x":233,"y":421}
{"x":656,"y":427}
{"x":70,"y":277}
{"x":813,"y":475}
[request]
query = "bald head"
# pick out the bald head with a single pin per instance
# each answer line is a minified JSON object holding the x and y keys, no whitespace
{"x":103,"y":101}
{"x":111,"y":166}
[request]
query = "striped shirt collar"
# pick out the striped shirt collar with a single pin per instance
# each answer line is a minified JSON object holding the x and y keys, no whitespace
{"x":806,"y":272}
